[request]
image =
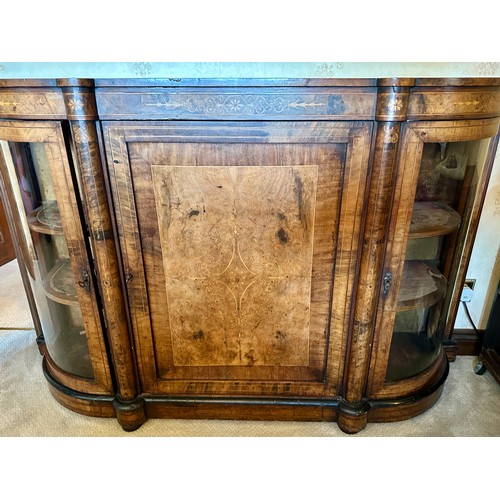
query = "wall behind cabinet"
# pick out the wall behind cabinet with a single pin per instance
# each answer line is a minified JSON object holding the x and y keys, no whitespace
{"x":484,"y":265}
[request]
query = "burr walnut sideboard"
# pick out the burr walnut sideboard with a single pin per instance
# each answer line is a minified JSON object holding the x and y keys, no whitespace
{"x":246,"y":249}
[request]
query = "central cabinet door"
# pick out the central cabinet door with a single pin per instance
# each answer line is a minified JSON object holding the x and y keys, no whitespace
{"x":240,"y":246}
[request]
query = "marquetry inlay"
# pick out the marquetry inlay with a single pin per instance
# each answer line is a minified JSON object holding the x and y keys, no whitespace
{"x":237,"y":254}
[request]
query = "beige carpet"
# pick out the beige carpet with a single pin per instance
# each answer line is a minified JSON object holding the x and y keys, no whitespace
{"x":469,"y":406}
{"x":14,"y":311}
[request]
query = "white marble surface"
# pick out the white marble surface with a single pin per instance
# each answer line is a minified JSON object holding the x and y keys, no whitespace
{"x":246,"y":69}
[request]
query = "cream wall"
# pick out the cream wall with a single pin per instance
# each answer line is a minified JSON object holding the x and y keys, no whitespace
{"x":484,"y":265}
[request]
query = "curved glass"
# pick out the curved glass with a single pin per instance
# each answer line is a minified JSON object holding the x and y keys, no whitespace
{"x":444,"y":200}
{"x":47,"y":259}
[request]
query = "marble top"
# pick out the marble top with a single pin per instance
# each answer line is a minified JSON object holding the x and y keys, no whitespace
{"x":246,"y":70}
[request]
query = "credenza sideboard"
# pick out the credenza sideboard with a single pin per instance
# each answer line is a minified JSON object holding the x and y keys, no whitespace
{"x":243,"y":248}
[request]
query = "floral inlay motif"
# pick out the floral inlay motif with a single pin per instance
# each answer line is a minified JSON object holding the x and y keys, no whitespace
{"x":244,"y":104}
{"x":396,"y":104}
{"x":391,"y":136}
{"x":81,"y":133}
{"x":75,"y":104}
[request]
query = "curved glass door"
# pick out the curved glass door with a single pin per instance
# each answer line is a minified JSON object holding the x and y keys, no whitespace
{"x":48,"y":262}
{"x":446,"y":191}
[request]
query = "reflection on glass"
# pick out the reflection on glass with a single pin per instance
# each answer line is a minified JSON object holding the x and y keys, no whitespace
{"x":49,"y":267}
{"x":445,"y":194}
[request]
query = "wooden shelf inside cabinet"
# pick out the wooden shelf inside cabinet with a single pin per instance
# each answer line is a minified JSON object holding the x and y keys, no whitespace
{"x":421,"y":286}
{"x":411,"y":353}
{"x":433,"y":219}
{"x":46,"y":219}
{"x":59,"y":284}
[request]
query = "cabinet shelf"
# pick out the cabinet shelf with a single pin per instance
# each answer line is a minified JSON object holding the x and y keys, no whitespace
{"x":433,"y":219}
{"x":421,"y":286}
{"x":59,"y":284}
{"x":46,"y":219}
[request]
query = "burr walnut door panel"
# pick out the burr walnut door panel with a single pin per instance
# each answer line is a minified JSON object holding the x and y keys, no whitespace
{"x":240,"y":246}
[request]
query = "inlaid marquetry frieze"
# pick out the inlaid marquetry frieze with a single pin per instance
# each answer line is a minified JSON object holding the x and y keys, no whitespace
{"x":80,"y":104}
{"x":466,"y":103}
{"x":31,"y":104}
{"x":236,"y":103}
{"x":392,"y":104}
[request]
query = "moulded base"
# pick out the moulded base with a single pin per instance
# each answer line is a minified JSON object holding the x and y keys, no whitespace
{"x":350,"y":417}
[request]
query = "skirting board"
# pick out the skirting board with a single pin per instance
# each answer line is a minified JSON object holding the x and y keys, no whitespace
{"x":463,"y":342}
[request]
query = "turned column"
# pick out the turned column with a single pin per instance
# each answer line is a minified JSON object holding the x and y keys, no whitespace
{"x":392,"y":106}
{"x":81,"y":110}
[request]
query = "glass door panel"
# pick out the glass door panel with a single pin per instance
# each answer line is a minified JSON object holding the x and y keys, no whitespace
{"x":446,"y":191}
{"x":50,"y":266}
